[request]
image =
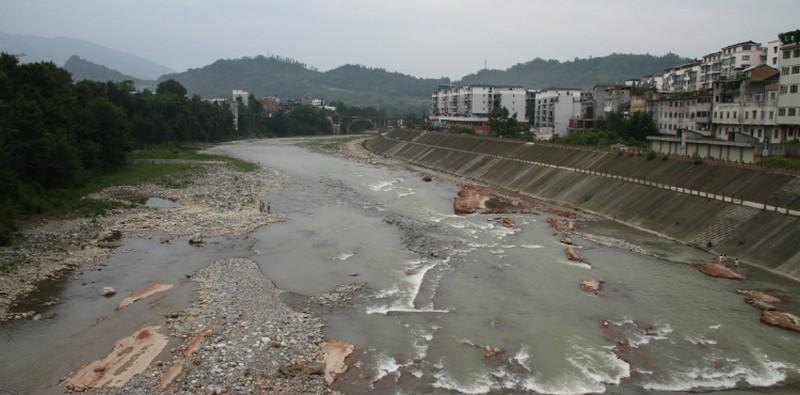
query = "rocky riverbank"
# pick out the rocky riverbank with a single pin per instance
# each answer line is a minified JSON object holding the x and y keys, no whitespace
{"x":238,"y":338}
{"x":216,"y":200}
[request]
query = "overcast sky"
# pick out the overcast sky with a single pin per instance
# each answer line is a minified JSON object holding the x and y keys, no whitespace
{"x":429,"y":38}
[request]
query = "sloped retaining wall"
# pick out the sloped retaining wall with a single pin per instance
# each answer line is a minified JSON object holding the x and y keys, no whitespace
{"x":688,"y":202}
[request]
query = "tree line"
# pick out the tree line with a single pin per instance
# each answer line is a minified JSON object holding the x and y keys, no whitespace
{"x":56,"y":133}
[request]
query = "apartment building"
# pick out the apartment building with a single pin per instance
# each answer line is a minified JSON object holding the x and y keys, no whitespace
{"x":674,"y":114}
{"x":553,"y":110}
{"x":748,"y":106}
{"x":789,"y":86}
{"x":710,"y":69}
{"x":471,"y":105}
{"x":683,"y":78}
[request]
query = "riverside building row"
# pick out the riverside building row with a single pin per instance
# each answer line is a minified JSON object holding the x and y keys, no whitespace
{"x":745,"y":92}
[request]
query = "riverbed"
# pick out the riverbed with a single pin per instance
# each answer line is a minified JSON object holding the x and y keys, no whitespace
{"x":438,"y":289}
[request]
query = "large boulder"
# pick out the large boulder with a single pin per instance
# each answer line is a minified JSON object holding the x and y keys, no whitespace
{"x":781,"y":319}
{"x":470,"y":199}
{"x":719,"y":270}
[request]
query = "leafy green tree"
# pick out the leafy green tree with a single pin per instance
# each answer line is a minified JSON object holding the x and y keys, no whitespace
{"x":171,"y":87}
{"x":503,"y":125}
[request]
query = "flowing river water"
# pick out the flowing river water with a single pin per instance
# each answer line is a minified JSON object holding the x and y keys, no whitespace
{"x":440,"y":287}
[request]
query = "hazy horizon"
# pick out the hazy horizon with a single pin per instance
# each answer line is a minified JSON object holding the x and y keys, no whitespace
{"x":444,"y":39}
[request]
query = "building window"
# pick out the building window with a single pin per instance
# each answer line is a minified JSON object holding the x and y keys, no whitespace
{"x":796,"y":70}
{"x":797,"y":53}
{"x":746,"y":115}
{"x":792,"y":112}
{"x":785,"y":70}
{"x":793,"y":88}
{"x":781,"y":112}
{"x":772,"y":95}
{"x":787,"y":54}
{"x":746,"y":57}
{"x":771,"y":115}
{"x":783,"y":89}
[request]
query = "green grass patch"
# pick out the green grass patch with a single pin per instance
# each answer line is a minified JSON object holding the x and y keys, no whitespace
{"x":190,"y":154}
{"x":782,"y":162}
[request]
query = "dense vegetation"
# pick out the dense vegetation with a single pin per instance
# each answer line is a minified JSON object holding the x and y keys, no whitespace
{"x":57,"y":136}
{"x":579,"y":73}
{"x":615,"y":128}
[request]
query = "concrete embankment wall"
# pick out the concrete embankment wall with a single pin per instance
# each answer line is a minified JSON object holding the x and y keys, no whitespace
{"x":693,"y":203}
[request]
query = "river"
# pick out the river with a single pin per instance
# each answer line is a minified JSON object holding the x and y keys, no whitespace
{"x":467,"y":282}
{"x":440,"y":287}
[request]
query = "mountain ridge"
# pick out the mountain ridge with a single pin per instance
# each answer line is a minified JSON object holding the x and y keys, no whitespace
{"x":60,"y":49}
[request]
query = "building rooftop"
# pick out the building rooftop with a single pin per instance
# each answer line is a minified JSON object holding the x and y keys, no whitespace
{"x":742,"y":43}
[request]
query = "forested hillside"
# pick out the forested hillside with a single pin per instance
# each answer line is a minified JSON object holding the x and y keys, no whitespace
{"x":578,"y":73}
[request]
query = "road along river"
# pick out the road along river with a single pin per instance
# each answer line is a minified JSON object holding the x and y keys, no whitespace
{"x":439,"y":303}
{"x":464,"y":304}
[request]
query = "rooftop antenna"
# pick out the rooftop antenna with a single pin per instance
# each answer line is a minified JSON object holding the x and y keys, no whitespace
{"x":484,"y":64}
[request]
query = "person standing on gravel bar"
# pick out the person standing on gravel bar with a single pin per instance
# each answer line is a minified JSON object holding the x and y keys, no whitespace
{"x":269,"y":208}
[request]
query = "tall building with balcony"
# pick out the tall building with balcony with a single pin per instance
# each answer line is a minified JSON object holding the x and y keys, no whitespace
{"x":746,"y":108}
{"x":789,"y":86}
{"x":741,"y":56}
{"x":683,"y":78}
{"x":710,"y":69}
{"x":471,"y":105}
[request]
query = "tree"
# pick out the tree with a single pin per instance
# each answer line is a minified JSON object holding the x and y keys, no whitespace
{"x":171,"y":87}
{"x":501,"y":124}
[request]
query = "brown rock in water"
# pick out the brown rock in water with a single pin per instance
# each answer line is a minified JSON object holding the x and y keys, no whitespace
{"x":149,"y":290}
{"x":507,"y":222}
{"x":751,"y":295}
{"x":781,"y":319}
{"x":130,"y":356}
{"x":572,"y":254}
{"x":593,"y":285}
{"x":566,"y":239}
{"x":108,"y":291}
{"x":470,"y":199}
{"x":336,"y":351}
{"x":719,"y":270}
{"x":491,"y":351}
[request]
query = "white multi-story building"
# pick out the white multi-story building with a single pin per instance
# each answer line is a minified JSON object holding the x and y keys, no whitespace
{"x":471,"y":105}
{"x":738,"y":57}
{"x":789,"y":87}
{"x":553,"y":110}
{"x":774,"y":54}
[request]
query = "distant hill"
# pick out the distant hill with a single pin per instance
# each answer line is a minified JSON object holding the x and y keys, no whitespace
{"x":401,"y":93}
{"x":60,"y":49}
{"x":397,"y":93}
{"x":579,"y":73}
{"x":82,"y":69}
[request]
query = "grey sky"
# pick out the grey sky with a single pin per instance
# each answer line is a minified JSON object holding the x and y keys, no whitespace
{"x":425,"y":38}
